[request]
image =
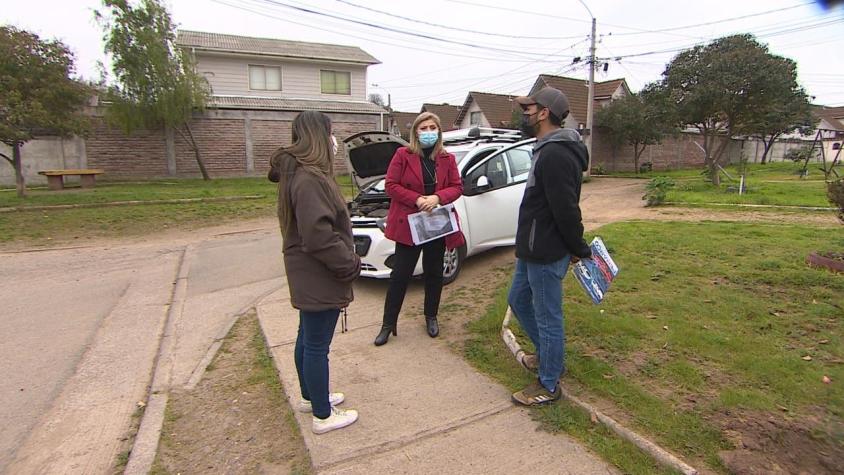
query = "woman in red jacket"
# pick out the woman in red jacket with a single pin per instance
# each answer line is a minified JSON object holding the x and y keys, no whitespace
{"x":420,"y":177}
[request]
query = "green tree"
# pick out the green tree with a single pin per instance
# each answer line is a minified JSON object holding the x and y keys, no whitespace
{"x":781,"y":117}
{"x":724,"y":87}
{"x":156,"y":83}
{"x":637,"y":120}
{"x":38,"y":95}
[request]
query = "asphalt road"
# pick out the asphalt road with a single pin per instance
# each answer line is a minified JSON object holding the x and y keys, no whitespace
{"x":81,"y":332}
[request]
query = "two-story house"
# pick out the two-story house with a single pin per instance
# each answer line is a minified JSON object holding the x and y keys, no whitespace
{"x":257,"y":87}
{"x":265,"y":82}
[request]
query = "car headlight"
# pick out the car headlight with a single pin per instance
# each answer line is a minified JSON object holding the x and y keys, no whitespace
{"x":382,"y":224}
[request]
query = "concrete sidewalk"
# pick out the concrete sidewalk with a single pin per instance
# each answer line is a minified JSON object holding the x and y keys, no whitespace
{"x":423,"y":409}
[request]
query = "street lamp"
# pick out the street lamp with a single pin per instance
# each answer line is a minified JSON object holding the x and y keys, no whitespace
{"x":389,"y":108}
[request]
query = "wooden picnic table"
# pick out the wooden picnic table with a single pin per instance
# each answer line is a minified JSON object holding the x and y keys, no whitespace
{"x":55,"y":178}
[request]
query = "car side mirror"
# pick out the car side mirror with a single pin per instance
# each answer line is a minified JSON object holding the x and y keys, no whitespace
{"x":482,"y":184}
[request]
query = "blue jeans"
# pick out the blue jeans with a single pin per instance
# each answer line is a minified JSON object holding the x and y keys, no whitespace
{"x":536,"y":297}
{"x":316,"y":330}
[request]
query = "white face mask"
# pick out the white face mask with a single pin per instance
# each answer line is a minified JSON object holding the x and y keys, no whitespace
{"x":334,"y":145}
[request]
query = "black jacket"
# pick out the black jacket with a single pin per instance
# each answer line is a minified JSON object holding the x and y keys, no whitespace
{"x":550,"y":224}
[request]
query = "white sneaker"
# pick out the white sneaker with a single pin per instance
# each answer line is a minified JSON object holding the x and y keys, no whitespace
{"x":333,"y":399}
{"x":338,"y":419}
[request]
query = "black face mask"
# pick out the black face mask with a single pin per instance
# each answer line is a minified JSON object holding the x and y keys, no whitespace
{"x":526,"y":127}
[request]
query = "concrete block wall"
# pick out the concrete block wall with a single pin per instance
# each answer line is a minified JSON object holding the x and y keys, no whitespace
{"x":43,"y":154}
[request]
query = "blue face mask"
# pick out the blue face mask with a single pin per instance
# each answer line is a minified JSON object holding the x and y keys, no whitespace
{"x":428,"y":138}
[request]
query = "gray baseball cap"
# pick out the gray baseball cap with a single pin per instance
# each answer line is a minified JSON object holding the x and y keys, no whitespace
{"x":553,"y":99}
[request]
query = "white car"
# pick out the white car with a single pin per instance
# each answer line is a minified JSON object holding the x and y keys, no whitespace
{"x":494,"y":165}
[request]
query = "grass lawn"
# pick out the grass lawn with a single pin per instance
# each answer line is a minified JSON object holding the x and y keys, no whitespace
{"x":714,"y":336}
{"x":772,"y":184}
{"x":38,"y":227}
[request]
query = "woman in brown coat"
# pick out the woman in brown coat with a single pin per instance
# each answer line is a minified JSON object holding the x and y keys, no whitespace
{"x":319,"y":258}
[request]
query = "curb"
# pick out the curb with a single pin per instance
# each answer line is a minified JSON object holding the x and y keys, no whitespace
{"x":131,"y":203}
{"x":659,"y":454}
{"x":145,"y":446}
{"x":747,"y":205}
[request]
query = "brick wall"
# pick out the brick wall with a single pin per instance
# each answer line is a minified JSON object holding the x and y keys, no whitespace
{"x":672,"y":153}
{"x":222,"y":143}
{"x":142,"y":154}
{"x":222,"y":140}
{"x":343,"y":130}
{"x":267,"y":136}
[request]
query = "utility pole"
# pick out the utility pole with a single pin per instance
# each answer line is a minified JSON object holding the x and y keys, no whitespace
{"x":590,"y":101}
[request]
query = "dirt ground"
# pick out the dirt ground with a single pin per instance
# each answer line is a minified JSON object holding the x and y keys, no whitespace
{"x":777,"y":444}
{"x":236,"y":420}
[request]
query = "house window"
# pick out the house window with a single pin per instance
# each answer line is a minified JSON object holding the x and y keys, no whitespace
{"x":475,"y":118}
{"x":264,"y":78}
{"x":336,"y":82}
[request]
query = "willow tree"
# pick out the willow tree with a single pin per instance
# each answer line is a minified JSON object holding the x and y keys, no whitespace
{"x":155,"y":83}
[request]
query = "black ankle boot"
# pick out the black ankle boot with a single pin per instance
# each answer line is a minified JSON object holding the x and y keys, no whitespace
{"x":384,"y":334}
{"x":433,"y":327}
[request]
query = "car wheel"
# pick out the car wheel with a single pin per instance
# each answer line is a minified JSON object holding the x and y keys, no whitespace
{"x":452,"y":261}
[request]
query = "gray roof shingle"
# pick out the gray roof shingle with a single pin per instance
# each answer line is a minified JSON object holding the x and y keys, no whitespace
{"x":272,"y":103}
{"x":273,"y":47}
{"x":833,"y":115}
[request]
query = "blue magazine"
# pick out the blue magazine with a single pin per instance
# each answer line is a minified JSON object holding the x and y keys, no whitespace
{"x":596,"y":274}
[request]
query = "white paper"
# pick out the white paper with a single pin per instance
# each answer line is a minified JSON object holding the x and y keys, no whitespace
{"x":425,"y":226}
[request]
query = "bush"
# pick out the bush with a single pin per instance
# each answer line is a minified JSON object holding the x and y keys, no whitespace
{"x":800,"y":154}
{"x":657,"y":189}
{"x":599,"y":170}
{"x":646,"y":167}
{"x":835,"y":192}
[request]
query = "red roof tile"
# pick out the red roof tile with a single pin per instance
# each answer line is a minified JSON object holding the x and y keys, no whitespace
{"x":577,"y":91}
{"x":497,"y":108}
{"x":446,"y":112}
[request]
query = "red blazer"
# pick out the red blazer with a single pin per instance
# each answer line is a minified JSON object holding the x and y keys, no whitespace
{"x":405,"y":186}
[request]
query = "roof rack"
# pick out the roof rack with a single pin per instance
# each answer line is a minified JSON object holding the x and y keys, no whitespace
{"x":480,"y":133}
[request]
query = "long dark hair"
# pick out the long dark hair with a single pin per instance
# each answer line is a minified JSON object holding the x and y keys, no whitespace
{"x":312,"y":151}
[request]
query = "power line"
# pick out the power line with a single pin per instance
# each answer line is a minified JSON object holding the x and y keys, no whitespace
{"x":454,"y":28}
{"x":767,"y":35}
{"x":484,"y":80}
{"x":381,"y":39}
{"x":723,"y":20}
{"x":635,"y":29}
{"x":515,"y":53}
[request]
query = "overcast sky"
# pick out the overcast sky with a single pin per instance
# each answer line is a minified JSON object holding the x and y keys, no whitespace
{"x":454,"y":46}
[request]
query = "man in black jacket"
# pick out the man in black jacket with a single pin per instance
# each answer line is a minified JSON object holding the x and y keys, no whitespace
{"x":549,"y":237}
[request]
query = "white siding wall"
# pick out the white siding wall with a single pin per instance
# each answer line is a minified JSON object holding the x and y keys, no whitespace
{"x":465,"y":123}
{"x":229,"y":75}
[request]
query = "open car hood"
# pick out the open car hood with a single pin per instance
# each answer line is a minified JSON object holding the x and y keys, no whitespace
{"x":369,"y":154}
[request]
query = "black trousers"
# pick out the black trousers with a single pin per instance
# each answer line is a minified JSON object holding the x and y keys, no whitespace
{"x":405,"y":263}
